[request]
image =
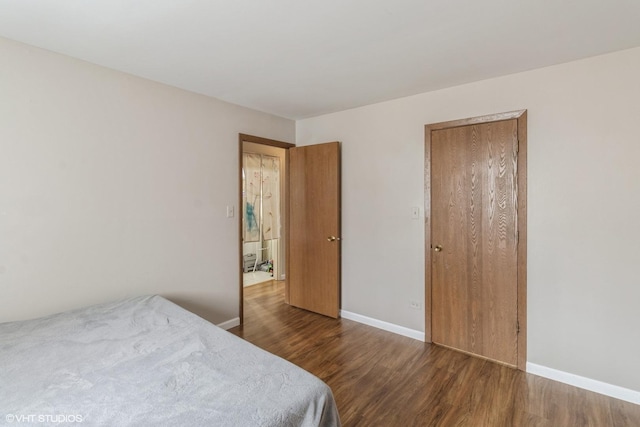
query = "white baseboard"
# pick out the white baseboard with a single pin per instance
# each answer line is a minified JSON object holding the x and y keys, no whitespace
{"x":596,"y":386}
{"x":386,"y":326}
{"x":585,"y":383}
{"x":229,"y":323}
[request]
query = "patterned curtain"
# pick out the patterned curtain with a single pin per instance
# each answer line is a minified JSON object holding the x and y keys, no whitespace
{"x":270,"y":197}
{"x":251,"y":196}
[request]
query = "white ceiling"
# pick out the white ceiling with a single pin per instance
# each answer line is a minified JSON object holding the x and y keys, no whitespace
{"x":302,"y":58}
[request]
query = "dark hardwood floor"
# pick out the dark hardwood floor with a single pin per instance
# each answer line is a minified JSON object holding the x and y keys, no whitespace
{"x":382,"y":379}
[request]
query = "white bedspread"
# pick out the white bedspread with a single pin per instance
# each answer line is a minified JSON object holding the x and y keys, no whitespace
{"x":147,"y":362}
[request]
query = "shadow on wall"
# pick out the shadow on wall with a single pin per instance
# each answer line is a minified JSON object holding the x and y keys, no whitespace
{"x":197,"y":308}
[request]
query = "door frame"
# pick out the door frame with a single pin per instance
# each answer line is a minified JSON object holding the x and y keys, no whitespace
{"x":521,"y":118}
{"x":242,"y":138}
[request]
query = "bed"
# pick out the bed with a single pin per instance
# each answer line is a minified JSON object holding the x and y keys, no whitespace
{"x":147,"y":361}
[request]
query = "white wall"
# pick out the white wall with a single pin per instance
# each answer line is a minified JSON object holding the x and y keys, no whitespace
{"x":111,"y":186}
{"x":584,"y":207}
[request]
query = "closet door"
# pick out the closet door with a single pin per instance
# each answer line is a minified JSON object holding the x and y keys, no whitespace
{"x":476,"y":259}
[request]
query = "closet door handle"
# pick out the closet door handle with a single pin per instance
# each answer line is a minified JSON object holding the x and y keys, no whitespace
{"x":332,"y":238}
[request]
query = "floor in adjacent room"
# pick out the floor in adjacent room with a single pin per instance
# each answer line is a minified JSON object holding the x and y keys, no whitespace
{"x":382,"y":379}
{"x":255,"y":278}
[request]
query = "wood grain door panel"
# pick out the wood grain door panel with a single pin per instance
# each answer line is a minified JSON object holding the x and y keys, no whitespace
{"x":314,"y":216}
{"x":474,"y":198}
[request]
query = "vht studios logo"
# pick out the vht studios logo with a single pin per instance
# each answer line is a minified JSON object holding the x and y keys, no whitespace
{"x":43,"y":418}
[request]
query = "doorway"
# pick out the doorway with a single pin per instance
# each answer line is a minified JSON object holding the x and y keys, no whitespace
{"x":263,"y":172}
{"x":263,"y":202}
{"x":475,"y":236}
{"x":311,"y":214}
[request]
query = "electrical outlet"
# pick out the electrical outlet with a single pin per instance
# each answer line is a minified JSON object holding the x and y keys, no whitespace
{"x":416,"y":305}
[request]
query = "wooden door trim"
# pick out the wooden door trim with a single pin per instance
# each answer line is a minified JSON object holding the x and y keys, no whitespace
{"x":521,"y":117}
{"x":242,"y":138}
{"x":477,"y":120}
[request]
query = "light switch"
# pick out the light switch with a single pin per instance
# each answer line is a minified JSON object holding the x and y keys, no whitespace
{"x":230,"y":211}
{"x":415,"y":212}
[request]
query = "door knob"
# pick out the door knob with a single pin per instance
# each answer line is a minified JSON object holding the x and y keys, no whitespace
{"x":438,"y":248}
{"x":332,"y":238}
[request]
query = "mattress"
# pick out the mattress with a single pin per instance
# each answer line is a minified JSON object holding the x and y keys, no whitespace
{"x":146,"y":361}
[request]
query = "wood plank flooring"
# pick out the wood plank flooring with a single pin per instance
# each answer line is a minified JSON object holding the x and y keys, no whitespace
{"x":382,"y":379}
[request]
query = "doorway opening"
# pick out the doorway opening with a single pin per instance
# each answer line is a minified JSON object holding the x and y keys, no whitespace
{"x":262,"y":187}
{"x":263,"y":205}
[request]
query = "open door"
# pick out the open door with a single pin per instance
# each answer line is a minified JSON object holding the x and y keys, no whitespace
{"x":314,"y":228}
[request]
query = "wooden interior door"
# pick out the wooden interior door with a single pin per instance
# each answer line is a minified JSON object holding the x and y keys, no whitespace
{"x":474,"y":239}
{"x":314,"y":228}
